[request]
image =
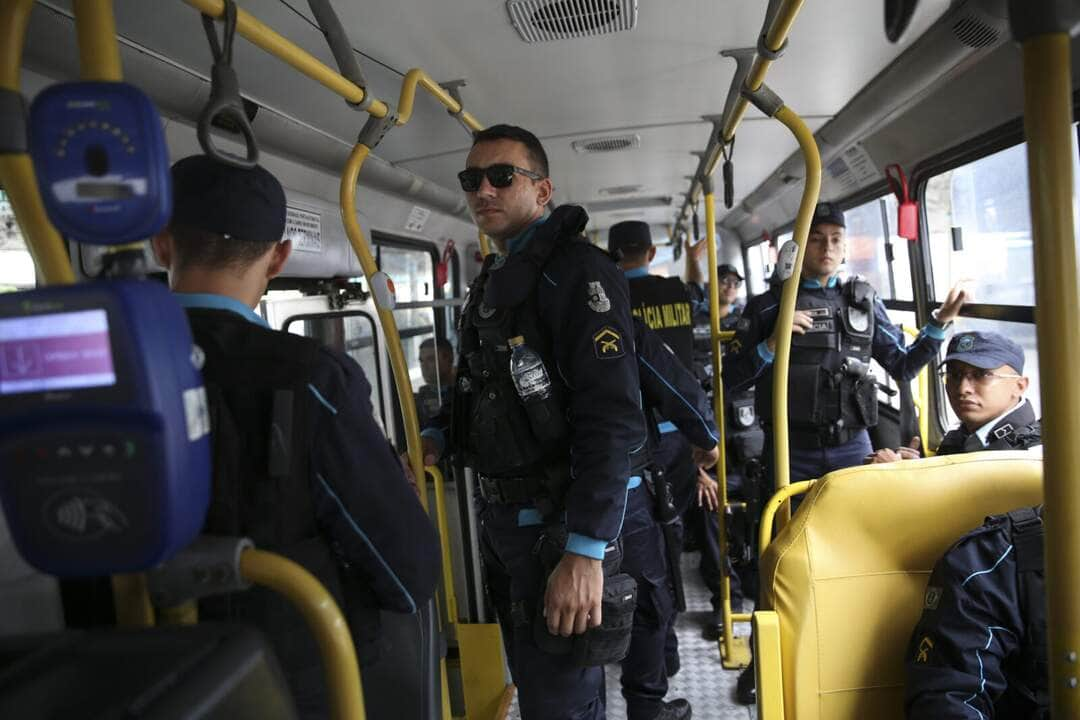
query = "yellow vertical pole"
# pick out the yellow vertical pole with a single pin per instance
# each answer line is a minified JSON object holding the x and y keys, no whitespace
{"x":811,"y":190}
{"x":485,"y":244}
{"x":733,"y":654}
{"x":1048,"y":126}
{"x":99,"y":53}
{"x":17,"y":171}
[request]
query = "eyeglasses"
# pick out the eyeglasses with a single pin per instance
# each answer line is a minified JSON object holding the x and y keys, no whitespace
{"x":977,"y":376}
{"x":500,"y":176}
{"x":731,"y":282}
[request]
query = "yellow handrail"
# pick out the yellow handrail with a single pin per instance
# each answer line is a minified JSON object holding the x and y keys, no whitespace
{"x":1048,"y":126}
{"x":131,"y":601}
{"x":774,"y":39}
{"x":731,"y":656}
{"x":922,"y":404}
{"x":347,"y":197}
{"x":99,"y":53}
{"x":277,"y":45}
{"x":17,"y":177}
{"x":323,"y":616}
{"x":768,"y":513}
{"x":811,"y":189}
{"x":444,"y":541}
{"x":485,"y":244}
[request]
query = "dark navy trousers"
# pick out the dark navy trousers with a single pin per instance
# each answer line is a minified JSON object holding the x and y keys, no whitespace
{"x":644,"y":670}
{"x":550,"y":687}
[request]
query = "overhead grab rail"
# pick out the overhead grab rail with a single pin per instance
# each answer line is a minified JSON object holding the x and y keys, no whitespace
{"x":735,"y":652}
{"x":749,"y":75}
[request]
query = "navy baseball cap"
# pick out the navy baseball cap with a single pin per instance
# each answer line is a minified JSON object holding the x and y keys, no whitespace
{"x":727,"y":269}
{"x":828,"y":212}
{"x":986,"y":350}
{"x":235,"y":202}
{"x":629,"y":235}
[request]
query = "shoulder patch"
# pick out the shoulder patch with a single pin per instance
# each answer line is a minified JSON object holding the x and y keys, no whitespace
{"x":598,"y":299}
{"x":608,"y":344}
{"x":744,"y":324}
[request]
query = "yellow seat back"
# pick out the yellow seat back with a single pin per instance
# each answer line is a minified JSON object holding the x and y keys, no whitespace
{"x":848,"y":573}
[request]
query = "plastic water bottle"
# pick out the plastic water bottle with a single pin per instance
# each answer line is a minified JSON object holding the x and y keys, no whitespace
{"x":527,"y":369}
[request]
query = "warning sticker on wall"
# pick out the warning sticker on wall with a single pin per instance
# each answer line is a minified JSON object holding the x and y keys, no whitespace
{"x":304,"y":228}
{"x":417,"y":219}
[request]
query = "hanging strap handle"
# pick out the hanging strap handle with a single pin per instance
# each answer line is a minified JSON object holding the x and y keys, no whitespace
{"x":907,"y":214}
{"x":225,"y":106}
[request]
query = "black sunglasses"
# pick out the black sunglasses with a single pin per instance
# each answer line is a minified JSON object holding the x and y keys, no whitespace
{"x":499,"y":176}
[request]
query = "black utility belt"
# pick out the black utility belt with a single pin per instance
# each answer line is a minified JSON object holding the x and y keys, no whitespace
{"x":811,"y":440}
{"x":510,"y":490}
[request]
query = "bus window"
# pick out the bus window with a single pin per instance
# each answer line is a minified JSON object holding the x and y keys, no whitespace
{"x":411,"y":265}
{"x":986,"y":202}
{"x":760,"y":260}
{"x":904,"y":320}
{"x":869,"y":227}
{"x":16,"y":265}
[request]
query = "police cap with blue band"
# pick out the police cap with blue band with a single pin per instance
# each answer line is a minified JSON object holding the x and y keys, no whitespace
{"x":245,"y":204}
{"x":828,"y":212}
{"x":986,"y":350}
{"x":629,"y":236}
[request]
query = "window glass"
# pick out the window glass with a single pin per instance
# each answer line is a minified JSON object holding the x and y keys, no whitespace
{"x":869,"y":227}
{"x":412,"y":271}
{"x":761,"y":260}
{"x":987,"y":202}
{"x":1023,"y":334}
{"x":415,"y":326}
{"x":16,"y":265}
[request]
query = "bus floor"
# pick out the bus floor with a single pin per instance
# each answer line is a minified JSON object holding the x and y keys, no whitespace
{"x":701,"y":679}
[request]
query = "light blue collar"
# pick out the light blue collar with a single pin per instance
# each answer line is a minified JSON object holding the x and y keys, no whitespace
{"x":519,"y":241}
{"x":813,"y":284}
{"x":212,"y":301}
{"x":638,"y":272}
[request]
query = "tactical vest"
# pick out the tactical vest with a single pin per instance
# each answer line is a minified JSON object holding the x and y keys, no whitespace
{"x":1019,"y":430}
{"x":832,"y":395}
{"x":1027,"y":695}
{"x":504,"y":437}
{"x":664,"y":304}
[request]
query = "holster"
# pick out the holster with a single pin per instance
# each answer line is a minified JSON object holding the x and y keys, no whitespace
{"x":667,"y":515}
{"x":608,"y":642}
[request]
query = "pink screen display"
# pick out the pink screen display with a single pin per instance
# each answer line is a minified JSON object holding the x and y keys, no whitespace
{"x":59,"y":351}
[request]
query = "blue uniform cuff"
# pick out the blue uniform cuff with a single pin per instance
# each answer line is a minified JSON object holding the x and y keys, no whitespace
{"x":436,"y":436}
{"x":587,"y":546}
{"x":934,"y":331}
{"x":764,"y":353}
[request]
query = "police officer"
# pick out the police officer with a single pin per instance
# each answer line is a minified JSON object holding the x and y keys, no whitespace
{"x":663,"y":305}
{"x":838,"y":327}
{"x":985,"y":383}
{"x":562,"y":455}
{"x":730,"y":282}
{"x":433,"y":398}
{"x":980,"y":648}
{"x":362,"y":533}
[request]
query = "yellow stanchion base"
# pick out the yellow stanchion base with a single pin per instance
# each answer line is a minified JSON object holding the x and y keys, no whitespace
{"x":482,"y":676}
{"x":740,"y":654}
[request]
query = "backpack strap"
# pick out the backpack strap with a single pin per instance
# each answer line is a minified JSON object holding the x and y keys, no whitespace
{"x":1033,"y":666}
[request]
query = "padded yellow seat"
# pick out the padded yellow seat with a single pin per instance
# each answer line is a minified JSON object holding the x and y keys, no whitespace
{"x":845,"y":578}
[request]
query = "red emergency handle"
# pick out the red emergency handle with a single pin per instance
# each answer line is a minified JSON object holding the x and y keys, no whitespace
{"x":907,"y":215}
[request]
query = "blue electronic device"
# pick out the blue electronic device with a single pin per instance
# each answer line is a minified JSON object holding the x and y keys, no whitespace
{"x":101,"y":161}
{"x":104,"y":430}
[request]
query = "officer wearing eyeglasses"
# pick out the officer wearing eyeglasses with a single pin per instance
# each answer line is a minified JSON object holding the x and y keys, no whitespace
{"x":839,"y":326}
{"x":985,"y":383}
{"x":554,"y":452}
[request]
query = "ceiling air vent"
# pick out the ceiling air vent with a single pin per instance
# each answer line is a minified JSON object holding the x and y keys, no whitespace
{"x":544,"y":20}
{"x":974,"y":33}
{"x":621,"y":189}
{"x":610,"y":143}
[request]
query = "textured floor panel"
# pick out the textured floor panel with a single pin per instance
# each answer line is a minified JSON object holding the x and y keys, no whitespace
{"x":701,"y":680}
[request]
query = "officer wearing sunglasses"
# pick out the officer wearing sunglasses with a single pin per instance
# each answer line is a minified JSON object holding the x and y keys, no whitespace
{"x":984,"y":380}
{"x":553,"y":452}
